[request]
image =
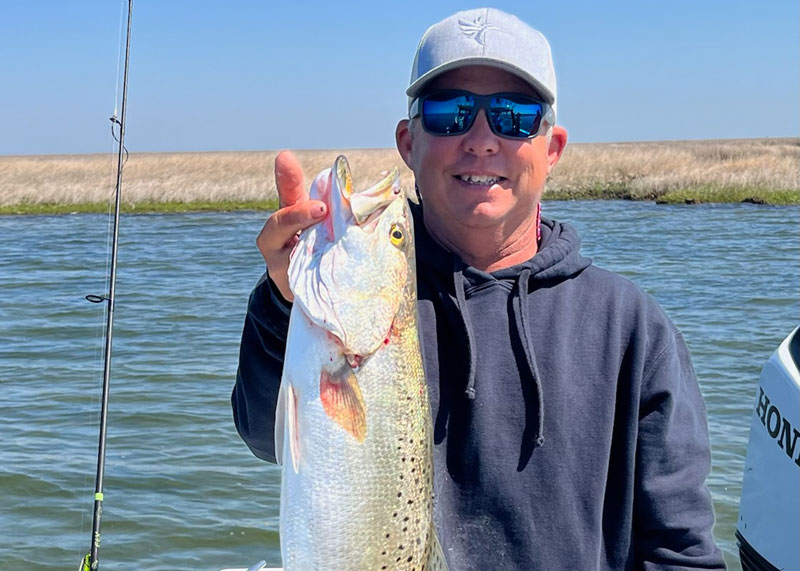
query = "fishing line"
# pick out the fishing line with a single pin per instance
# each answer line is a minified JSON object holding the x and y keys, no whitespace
{"x":112,"y":171}
{"x":90,"y":561}
{"x":112,"y":167}
{"x":101,"y":314}
{"x":119,"y":57}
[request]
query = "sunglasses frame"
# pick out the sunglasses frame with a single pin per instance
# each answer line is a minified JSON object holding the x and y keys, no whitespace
{"x":482,"y":102}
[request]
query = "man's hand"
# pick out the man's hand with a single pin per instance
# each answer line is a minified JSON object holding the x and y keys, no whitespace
{"x":296,"y":213}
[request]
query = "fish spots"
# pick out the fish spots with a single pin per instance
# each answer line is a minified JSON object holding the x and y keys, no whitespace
{"x":404,"y":537}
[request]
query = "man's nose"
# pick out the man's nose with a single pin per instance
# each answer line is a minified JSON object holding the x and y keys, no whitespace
{"x":480,"y":140}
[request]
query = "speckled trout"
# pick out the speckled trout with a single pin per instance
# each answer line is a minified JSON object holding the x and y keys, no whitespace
{"x":353,"y":426}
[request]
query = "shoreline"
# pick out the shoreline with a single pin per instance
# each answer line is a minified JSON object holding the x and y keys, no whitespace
{"x":47,"y":209}
{"x":759,"y":171}
{"x":684,"y":197}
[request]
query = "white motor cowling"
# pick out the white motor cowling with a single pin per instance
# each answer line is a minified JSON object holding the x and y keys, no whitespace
{"x":768,"y":530}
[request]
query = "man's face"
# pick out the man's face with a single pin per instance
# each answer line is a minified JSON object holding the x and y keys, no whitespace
{"x":442,"y":165}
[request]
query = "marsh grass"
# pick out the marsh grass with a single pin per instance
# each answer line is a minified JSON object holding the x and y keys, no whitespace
{"x":755,"y":170}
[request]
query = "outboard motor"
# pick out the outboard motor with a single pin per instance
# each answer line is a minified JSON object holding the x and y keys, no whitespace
{"x":768,"y":531}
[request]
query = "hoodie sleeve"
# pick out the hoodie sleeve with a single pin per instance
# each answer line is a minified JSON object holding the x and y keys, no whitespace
{"x":258,"y":378}
{"x":673,"y":507}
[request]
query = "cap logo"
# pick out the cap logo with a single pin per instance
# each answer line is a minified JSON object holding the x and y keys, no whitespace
{"x":476,"y":29}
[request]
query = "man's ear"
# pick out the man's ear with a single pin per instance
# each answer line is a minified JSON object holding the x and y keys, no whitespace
{"x":558,"y":140}
{"x":402,"y":137}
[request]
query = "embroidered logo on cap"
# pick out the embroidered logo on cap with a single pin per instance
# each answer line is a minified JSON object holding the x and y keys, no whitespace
{"x":476,"y":29}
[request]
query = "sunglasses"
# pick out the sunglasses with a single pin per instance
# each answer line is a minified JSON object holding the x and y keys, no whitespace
{"x":510,"y":115}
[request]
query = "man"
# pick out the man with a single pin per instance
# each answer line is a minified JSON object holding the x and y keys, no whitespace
{"x":569,"y":429}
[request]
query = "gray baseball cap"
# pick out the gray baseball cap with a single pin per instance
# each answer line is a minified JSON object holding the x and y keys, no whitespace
{"x":484,"y":36}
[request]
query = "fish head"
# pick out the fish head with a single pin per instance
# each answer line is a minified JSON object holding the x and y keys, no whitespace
{"x":348,"y":274}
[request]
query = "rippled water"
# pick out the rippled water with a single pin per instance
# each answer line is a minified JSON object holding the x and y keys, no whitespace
{"x":182,"y":491}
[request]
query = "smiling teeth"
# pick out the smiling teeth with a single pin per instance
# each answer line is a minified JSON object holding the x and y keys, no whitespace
{"x":476,"y":179}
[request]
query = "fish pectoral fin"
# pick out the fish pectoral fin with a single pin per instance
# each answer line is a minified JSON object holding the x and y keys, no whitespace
{"x":436,"y":560}
{"x":342,"y":401}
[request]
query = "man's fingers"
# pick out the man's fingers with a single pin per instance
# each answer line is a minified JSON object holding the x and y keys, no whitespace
{"x":289,"y":179}
{"x":284,"y":224}
{"x":296,"y":213}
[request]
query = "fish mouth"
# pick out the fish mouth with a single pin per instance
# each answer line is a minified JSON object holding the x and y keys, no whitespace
{"x":344,"y":176}
{"x":366,"y":205}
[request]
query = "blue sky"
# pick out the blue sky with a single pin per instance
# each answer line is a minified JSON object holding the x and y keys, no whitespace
{"x":247,"y":75}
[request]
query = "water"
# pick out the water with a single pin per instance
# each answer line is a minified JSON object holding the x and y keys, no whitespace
{"x":182,"y":491}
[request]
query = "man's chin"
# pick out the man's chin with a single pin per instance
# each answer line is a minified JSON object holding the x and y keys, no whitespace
{"x":483,"y":215}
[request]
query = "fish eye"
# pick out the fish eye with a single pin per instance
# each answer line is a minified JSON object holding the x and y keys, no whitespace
{"x":397,"y":235}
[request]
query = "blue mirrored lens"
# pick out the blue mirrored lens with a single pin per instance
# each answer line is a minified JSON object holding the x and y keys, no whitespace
{"x":448,"y":116}
{"x":518,"y":119}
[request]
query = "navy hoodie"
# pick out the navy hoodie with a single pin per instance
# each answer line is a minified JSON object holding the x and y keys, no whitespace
{"x":569,"y":429}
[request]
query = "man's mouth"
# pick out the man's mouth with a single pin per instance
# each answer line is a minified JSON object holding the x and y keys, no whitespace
{"x":483,"y":180}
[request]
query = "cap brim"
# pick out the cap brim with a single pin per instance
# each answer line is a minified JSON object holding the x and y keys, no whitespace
{"x":416,"y":88}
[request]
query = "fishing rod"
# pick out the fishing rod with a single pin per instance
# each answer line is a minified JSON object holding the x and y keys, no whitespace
{"x":90,"y":561}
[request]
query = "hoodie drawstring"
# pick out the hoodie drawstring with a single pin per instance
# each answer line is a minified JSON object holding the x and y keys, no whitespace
{"x":458,"y":282}
{"x":520,"y":310}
